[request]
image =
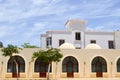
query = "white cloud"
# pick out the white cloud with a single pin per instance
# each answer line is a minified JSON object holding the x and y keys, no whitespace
{"x":40,"y":2}
{"x":17,"y":10}
{"x":47,"y":7}
{"x":6,"y":30}
{"x":97,"y":9}
{"x":37,"y":27}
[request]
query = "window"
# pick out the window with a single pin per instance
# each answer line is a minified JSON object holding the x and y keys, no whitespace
{"x":118,"y":65}
{"x":78,"y":47}
{"x":11,"y":65}
{"x":77,"y":36}
{"x":70,"y":64}
{"x":61,"y":42}
{"x":41,"y":66}
{"x":99,"y":65}
{"x":111,"y":44}
{"x":93,"y":41}
{"x":49,"y":41}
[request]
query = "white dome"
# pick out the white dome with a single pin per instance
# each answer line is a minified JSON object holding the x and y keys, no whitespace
{"x":93,"y":46}
{"x":66,"y":46}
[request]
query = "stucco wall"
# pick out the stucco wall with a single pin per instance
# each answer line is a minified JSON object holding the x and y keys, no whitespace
{"x":83,"y":56}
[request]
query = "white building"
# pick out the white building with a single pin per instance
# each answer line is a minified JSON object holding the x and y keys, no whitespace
{"x":91,"y":62}
{"x":77,"y":35}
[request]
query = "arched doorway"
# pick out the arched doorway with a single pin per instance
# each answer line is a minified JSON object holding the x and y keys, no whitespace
{"x":12,"y":66}
{"x":70,"y":65}
{"x":41,"y":67}
{"x":118,"y":65}
{"x":99,"y":66}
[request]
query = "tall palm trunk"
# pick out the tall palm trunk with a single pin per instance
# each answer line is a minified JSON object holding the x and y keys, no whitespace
{"x":48,"y":70}
{"x":56,"y":70}
{"x":16,"y":68}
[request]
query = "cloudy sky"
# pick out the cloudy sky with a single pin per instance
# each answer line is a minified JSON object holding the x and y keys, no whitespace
{"x":22,"y":21}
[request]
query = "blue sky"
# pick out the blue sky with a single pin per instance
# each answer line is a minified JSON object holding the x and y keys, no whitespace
{"x":22,"y":21}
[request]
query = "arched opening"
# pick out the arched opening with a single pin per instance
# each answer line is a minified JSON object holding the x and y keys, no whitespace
{"x":12,"y":66}
{"x":70,"y":65}
{"x":41,"y":67}
{"x":99,"y":66}
{"x":118,"y":65}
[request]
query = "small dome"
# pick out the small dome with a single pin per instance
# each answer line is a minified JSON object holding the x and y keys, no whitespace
{"x":93,"y":46}
{"x":66,"y":46}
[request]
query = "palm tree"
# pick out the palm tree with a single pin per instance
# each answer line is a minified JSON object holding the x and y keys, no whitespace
{"x":9,"y":51}
{"x":48,"y":56}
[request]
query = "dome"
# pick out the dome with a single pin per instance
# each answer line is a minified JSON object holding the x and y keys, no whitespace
{"x":66,"y":46}
{"x":93,"y":46}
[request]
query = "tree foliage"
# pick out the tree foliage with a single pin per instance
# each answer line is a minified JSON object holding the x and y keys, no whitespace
{"x":28,"y":45}
{"x":9,"y":50}
{"x":50,"y":55}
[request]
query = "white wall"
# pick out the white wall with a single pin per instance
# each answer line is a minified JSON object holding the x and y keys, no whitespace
{"x":56,"y":37}
{"x":117,"y":39}
{"x":75,"y":42}
{"x":68,"y":37}
{"x":101,"y":38}
{"x":76,"y":25}
{"x":43,"y":42}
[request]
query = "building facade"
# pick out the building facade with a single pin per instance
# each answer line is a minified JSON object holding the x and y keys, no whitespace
{"x":77,"y":35}
{"x":92,"y":63}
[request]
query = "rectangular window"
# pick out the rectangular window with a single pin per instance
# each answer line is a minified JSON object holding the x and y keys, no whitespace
{"x":111,"y":44}
{"x":77,"y":36}
{"x":61,"y":41}
{"x":78,"y":47}
{"x":49,"y":41}
{"x":93,"y":41}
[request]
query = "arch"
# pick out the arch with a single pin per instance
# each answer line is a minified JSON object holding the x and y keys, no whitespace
{"x":11,"y":65}
{"x":99,"y":66}
{"x":41,"y":67}
{"x":70,"y":65}
{"x":118,"y":65}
